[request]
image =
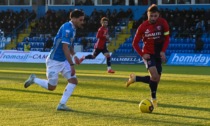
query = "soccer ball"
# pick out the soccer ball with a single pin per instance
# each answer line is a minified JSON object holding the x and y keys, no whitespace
{"x":146,"y":106}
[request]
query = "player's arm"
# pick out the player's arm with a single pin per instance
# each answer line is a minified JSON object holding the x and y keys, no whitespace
{"x":107,"y":38}
{"x":166,"y":36}
{"x":65,"y":46}
{"x":71,"y":49}
{"x":166,"y":40}
{"x":68,"y":57}
{"x":73,"y":54}
{"x":136,"y":40}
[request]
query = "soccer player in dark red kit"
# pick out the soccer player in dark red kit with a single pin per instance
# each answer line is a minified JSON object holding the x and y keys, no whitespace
{"x":100,"y":46}
{"x":154,"y":33}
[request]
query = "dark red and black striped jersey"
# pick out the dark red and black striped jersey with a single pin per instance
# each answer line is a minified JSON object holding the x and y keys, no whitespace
{"x":154,"y":36}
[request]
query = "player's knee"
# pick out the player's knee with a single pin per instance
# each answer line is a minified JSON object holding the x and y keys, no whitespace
{"x":52,"y":83}
{"x":107,"y":55}
{"x":155,"y":78}
{"x":51,"y":88}
{"x":73,"y":80}
{"x":93,"y":57}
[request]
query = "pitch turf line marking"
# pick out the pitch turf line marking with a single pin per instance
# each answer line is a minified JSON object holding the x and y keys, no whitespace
{"x":101,"y":74}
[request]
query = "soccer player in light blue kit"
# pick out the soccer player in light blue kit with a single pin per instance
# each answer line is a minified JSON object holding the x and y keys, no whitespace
{"x":60,"y":60}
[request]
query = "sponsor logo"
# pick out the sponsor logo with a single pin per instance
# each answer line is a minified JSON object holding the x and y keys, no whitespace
{"x":159,"y":27}
{"x":137,"y":60}
{"x":126,"y":59}
{"x":189,"y":59}
{"x":14,"y":56}
{"x":67,"y":33}
{"x":20,"y":56}
{"x":147,"y":31}
{"x":149,"y":62}
{"x":39,"y":56}
{"x":154,"y":34}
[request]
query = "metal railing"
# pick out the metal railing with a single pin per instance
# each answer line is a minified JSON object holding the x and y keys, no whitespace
{"x":20,"y":28}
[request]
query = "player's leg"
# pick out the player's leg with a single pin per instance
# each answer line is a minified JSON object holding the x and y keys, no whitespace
{"x":153,"y":84}
{"x":52,"y":75}
{"x":90,"y":56}
{"x":133,"y":78}
{"x":41,"y":82}
{"x":155,"y":79}
{"x":155,"y":70}
{"x":108,"y":60}
{"x":72,"y":82}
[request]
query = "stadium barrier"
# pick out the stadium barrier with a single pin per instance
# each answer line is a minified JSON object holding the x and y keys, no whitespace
{"x":182,"y":59}
{"x":40,"y":57}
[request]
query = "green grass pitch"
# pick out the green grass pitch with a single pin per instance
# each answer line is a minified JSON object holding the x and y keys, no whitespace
{"x":103,"y":99}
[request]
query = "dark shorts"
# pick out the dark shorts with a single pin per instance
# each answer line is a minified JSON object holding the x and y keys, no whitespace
{"x":97,"y":51}
{"x":154,"y":61}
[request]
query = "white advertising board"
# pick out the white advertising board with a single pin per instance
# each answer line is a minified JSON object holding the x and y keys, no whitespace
{"x":40,"y":57}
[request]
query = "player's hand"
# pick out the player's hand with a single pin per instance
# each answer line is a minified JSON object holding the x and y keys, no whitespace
{"x":76,"y":60}
{"x":163,"y":56}
{"x":107,"y":38}
{"x":146,"y":56}
{"x":72,"y":70}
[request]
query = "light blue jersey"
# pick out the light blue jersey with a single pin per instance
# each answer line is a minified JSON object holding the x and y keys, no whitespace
{"x":66,"y":35}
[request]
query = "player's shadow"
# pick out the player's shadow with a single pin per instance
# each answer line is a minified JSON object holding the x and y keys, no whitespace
{"x":181,"y":116}
{"x":29,"y":91}
{"x":80,"y":96}
{"x":129,"y":118}
{"x":183,"y":107}
{"x":107,"y":99}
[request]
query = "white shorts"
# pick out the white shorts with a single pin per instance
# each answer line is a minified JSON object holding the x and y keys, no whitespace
{"x":54,"y":68}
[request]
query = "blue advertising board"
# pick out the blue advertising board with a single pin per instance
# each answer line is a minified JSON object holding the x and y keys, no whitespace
{"x":124,"y":58}
{"x":189,"y":59}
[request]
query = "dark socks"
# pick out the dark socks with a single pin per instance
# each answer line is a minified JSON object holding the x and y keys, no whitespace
{"x":144,"y":79}
{"x":108,"y":61}
{"x":153,"y":87}
{"x":152,"y":84}
{"x":89,"y":57}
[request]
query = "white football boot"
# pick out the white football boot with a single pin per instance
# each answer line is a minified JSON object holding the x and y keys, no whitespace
{"x":63,"y":107}
{"x":30,"y":80}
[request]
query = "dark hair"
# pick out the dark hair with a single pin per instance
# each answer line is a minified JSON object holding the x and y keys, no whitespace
{"x":76,"y":14}
{"x":104,"y":19}
{"x":153,"y":8}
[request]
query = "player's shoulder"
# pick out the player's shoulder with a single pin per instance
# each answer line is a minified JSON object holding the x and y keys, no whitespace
{"x":67,"y":24}
{"x":101,"y":28}
{"x":144,"y":24}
